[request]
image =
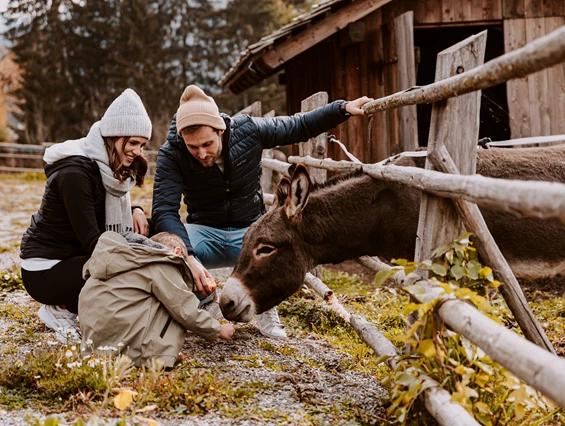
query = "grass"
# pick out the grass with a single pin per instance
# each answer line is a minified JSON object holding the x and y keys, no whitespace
{"x":36,"y":374}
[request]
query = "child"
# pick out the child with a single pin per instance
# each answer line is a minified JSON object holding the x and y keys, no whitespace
{"x":138,"y":293}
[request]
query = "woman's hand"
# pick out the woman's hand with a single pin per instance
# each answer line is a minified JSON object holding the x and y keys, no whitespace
{"x":140,"y":224}
{"x":200,"y":275}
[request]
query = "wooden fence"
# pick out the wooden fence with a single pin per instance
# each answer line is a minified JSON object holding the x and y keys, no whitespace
{"x":27,"y":158}
{"x":449,"y":173}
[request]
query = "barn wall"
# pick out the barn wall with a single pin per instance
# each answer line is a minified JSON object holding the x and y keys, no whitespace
{"x":349,"y":70}
{"x":536,"y":103}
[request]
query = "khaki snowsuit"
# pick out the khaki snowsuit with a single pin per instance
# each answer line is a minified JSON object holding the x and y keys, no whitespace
{"x":139,"y":294}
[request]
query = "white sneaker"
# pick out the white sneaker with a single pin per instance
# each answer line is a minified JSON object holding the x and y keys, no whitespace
{"x":270,"y":325}
{"x":63,"y":322}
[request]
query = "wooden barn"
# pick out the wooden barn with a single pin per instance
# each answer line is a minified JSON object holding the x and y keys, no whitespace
{"x":379,"y":47}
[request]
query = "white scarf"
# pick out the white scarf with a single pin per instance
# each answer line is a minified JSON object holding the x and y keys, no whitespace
{"x":118,"y":204}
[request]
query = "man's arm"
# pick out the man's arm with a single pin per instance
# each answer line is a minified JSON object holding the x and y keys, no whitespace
{"x":167,"y":193}
{"x":278,"y":131}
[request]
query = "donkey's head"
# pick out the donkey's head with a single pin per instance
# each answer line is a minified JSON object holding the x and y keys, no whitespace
{"x":272,"y":263}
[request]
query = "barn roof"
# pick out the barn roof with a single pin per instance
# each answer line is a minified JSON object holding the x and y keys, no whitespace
{"x":268,"y":55}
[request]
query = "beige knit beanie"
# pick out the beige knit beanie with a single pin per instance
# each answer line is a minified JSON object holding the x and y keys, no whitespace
{"x":198,"y":108}
{"x":126,"y":116}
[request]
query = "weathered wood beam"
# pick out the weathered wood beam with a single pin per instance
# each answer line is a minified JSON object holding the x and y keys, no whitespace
{"x":447,"y":413}
{"x":530,"y":141}
{"x":276,"y":165}
{"x":534,"y":365}
{"x":268,"y":199}
{"x":375,"y":265}
{"x":438,"y":400}
{"x":530,"y":198}
{"x":368,"y":332}
{"x":454,"y":126}
{"x":317,"y":146}
{"x":541,"y":53}
{"x":489,"y":251}
{"x":319,"y":31}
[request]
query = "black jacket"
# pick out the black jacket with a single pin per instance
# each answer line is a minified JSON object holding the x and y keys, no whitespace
{"x":71,"y":216}
{"x":232,"y":198}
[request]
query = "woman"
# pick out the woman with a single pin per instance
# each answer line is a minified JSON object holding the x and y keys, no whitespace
{"x":87,"y":192}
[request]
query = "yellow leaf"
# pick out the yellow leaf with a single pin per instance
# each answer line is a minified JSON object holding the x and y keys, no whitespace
{"x":124,"y":399}
{"x":448,"y":289}
{"x":410,"y":307}
{"x":482,"y":407}
{"x":427,"y":348}
{"x":520,"y":411}
{"x":413,"y":328}
{"x":485,"y":272}
{"x":461,"y":370}
{"x":482,"y":379}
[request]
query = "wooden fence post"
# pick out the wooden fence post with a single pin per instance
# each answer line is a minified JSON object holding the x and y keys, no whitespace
{"x":404,"y":31}
{"x":267,"y":174}
{"x":452,"y":147}
{"x":315,"y":147}
{"x":455,"y":125}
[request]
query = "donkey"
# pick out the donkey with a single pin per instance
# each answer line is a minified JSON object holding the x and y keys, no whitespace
{"x":349,"y":217}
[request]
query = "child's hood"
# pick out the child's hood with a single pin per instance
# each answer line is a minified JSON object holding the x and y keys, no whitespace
{"x":115,"y":254}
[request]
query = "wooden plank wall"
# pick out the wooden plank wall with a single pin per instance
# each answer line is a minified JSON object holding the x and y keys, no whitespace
{"x":369,"y":68}
{"x":535,"y":103}
{"x":446,"y":11}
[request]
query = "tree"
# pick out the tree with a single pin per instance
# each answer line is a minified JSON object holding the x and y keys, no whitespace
{"x":77,"y":56}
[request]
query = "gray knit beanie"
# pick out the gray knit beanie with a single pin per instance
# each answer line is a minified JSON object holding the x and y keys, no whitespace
{"x":126,"y":116}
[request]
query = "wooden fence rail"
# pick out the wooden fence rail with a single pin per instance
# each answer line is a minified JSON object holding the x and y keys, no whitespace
{"x":530,"y":198}
{"x":541,"y":53}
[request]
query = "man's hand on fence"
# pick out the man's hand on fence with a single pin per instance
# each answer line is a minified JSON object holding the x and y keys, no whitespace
{"x":354,"y":107}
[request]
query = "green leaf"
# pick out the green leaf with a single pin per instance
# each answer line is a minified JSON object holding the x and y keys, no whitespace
{"x":406,"y":379}
{"x":473,"y":269}
{"x":441,"y":250}
{"x":464,"y":238}
{"x":439,"y":269}
{"x":382,"y":276}
{"x":458,"y":272}
{"x":460,"y":250}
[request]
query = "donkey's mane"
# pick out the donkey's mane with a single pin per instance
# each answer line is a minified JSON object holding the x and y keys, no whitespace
{"x":336,"y":180}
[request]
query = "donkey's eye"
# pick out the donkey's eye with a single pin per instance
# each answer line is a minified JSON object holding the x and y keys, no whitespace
{"x":264,"y":250}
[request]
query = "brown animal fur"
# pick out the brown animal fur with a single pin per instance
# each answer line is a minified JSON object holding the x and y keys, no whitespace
{"x":359,"y":216}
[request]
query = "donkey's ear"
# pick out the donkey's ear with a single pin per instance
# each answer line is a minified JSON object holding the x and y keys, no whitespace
{"x":299,"y":191}
{"x":291,"y":169}
{"x":283,"y":188}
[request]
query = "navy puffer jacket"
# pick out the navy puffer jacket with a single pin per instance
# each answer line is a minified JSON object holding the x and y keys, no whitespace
{"x":232,"y":198}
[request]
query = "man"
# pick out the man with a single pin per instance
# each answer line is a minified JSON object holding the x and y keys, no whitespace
{"x":214,"y":161}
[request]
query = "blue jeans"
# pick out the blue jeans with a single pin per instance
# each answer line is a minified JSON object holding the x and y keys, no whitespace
{"x":215,"y":247}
